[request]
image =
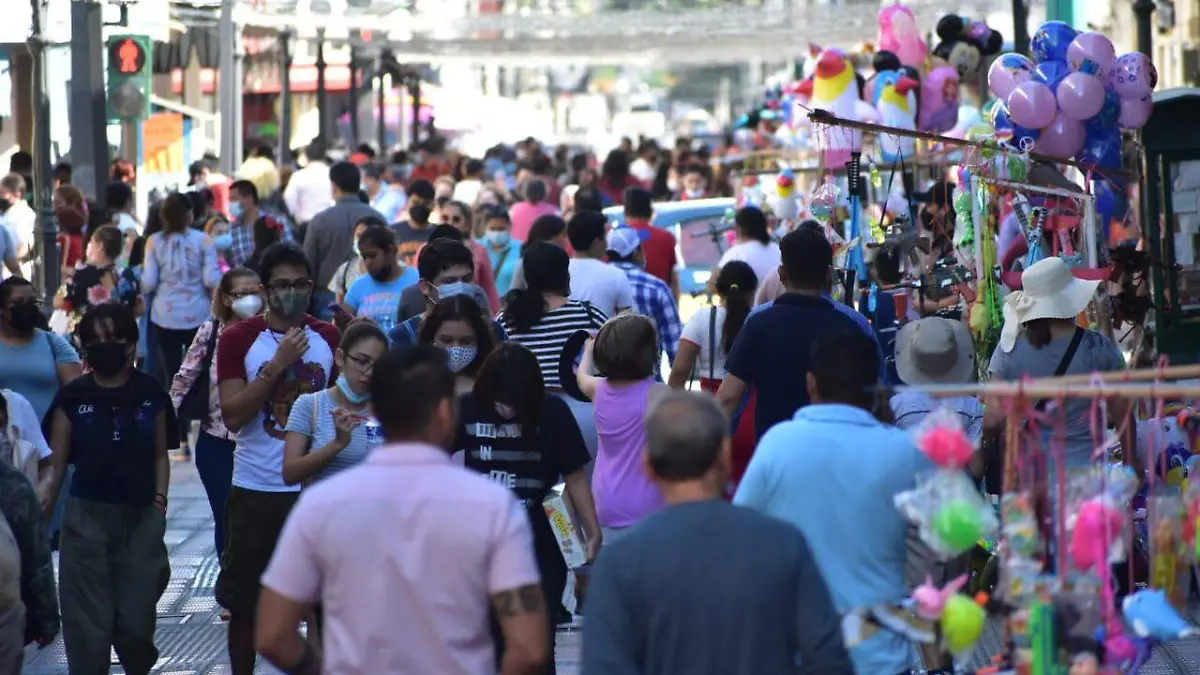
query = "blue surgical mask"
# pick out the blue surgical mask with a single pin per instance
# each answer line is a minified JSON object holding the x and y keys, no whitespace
{"x":224,"y":242}
{"x":235,"y":210}
{"x":344,"y":387}
{"x":498,"y":238}
{"x":456,"y":288}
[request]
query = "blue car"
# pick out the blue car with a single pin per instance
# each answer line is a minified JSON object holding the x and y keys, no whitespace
{"x":700,"y":234}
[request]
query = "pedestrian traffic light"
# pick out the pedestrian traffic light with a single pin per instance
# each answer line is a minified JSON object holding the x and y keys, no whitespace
{"x":129,"y":78}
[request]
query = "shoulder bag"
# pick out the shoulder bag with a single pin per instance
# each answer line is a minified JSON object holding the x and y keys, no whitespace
{"x":194,"y":405}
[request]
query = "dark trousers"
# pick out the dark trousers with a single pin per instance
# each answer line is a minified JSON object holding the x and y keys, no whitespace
{"x":112,"y":572}
{"x":12,"y":638}
{"x":171,"y":345}
{"x":214,"y":462}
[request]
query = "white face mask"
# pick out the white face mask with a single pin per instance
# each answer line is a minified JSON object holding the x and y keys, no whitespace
{"x":247,"y":306}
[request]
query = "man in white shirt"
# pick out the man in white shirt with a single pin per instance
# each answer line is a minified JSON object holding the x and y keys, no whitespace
{"x":309,"y":192}
{"x":20,"y":220}
{"x":592,"y":279}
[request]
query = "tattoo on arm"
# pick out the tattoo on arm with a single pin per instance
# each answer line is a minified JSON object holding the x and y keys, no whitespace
{"x":517,"y":601}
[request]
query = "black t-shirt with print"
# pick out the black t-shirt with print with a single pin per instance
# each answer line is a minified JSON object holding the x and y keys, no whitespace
{"x":113,"y":430}
{"x":497,"y":448}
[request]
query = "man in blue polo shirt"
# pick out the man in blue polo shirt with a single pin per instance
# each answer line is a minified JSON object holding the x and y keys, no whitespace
{"x":773,"y":350}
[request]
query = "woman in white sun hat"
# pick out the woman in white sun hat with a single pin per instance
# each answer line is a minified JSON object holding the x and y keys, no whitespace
{"x":1040,"y":338}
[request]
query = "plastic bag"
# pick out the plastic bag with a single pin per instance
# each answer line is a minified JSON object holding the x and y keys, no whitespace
{"x":950,"y":514}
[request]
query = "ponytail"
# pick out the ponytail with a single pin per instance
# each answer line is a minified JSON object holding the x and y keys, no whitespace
{"x":736,"y":283}
{"x":523,"y":309}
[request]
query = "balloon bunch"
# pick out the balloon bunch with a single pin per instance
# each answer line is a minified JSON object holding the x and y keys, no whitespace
{"x":1074,"y":97}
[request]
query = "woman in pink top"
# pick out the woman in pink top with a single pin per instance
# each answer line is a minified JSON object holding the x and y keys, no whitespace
{"x":535,"y":206}
{"x":625,"y":352}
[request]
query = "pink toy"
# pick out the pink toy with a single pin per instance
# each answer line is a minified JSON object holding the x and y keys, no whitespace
{"x":939,"y":100}
{"x":1096,"y":528}
{"x":931,"y":601}
{"x":946,"y":446}
{"x":899,"y":35}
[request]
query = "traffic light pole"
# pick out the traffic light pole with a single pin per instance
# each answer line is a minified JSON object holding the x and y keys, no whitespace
{"x":89,"y":140}
{"x":42,"y":168}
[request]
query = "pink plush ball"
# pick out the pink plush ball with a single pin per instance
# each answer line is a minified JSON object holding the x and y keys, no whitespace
{"x":947,"y":447}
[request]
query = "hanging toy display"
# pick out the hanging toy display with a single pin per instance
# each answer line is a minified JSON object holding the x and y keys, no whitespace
{"x":824,"y":201}
{"x":899,"y":34}
{"x":835,"y":89}
{"x":896,"y":105}
{"x":965,"y":44}
{"x":785,"y":202}
{"x":940,"y":110}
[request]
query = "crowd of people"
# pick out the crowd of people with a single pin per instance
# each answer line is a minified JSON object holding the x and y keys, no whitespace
{"x":392,"y":363}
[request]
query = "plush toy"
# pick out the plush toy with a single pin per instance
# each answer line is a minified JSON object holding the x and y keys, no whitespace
{"x":964,"y":44}
{"x":897,"y":107}
{"x":836,"y":88}
{"x":939,"y":100}
{"x":898,"y":34}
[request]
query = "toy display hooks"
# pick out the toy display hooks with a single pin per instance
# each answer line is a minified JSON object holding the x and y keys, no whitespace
{"x":1098,"y":512}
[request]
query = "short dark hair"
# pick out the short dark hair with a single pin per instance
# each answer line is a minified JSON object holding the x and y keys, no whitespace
{"x":245,"y":188}
{"x":474,"y":167}
{"x":588,"y":198}
{"x":117,"y":195}
{"x":638,"y":203}
{"x":807,"y":257}
{"x":585,"y":228}
{"x":423,"y":189}
{"x":381,"y":238}
{"x":511,"y":375}
{"x":111,"y":240}
{"x":627,"y":348}
{"x":685,"y":431}
{"x":535,"y":191}
{"x":20,"y":162}
{"x":63,"y":172}
{"x":199,"y":204}
{"x":124,"y":323}
{"x":281,"y":254}
{"x":446,"y":232}
{"x":346,"y":177}
{"x":407,"y":386}
{"x":845,"y":365}
{"x":461,"y":308}
{"x":545,"y":228}
{"x":371,"y":221}
{"x":315,"y":152}
{"x":174,"y":211}
{"x":361,"y":330}
{"x":438,"y":256}
{"x":887,"y":264}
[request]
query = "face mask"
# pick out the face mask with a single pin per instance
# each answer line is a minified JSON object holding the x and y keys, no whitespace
{"x":498,"y":237}
{"x":461,"y":357}
{"x":224,"y":242}
{"x":455,"y":288}
{"x":107,"y":359}
{"x":383,"y":273}
{"x":235,"y":210}
{"x":508,"y":412}
{"x":287,"y":304}
{"x":247,"y":306}
{"x":672,"y":185}
{"x":695,"y":194}
{"x":343,"y":386}
{"x":23,"y":318}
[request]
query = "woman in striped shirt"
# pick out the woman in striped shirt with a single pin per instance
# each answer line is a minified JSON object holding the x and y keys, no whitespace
{"x":542,"y":318}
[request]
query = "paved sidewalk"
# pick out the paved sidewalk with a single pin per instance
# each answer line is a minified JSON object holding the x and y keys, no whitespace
{"x":191,"y":638}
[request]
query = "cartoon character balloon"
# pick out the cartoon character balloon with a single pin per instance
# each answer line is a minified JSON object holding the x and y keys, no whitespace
{"x":835,"y":87}
{"x":1007,"y":72}
{"x":939,"y":100}
{"x":965,"y":43}
{"x":898,"y":34}
{"x":1051,"y":41}
{"x":896,"y":105}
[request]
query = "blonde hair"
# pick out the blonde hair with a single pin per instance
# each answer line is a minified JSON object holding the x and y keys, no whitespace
{"x":261,"y":172}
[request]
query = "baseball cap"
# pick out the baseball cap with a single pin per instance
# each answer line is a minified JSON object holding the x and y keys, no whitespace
{"x":623,"y":241}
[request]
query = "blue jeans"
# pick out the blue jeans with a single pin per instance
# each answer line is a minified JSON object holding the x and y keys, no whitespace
{"x":214,"y":461}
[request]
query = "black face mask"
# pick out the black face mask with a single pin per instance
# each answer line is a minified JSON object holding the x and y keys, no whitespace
{"x":23,"y":318}
{"x":107,"y":359}
{"x":383,"y":274}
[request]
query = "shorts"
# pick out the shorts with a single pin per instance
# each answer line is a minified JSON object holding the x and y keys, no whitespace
{"x":253,"y":522}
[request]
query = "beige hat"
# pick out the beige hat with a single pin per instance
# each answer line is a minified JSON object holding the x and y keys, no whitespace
{"x":935,"y":351}
{"x":1049,"y":291}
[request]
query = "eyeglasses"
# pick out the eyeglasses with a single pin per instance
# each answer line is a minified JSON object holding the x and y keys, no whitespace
{"x":364,"y":363}
{"x":299,"y":285}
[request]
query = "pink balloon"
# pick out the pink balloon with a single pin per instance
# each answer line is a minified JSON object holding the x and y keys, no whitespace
{"x":1135,"y":112}
{"x":1091,"y":47}
{"x":1080,"y":96}
{"x":1132,"y":75}
{"x":1032,"y":105}
{"x":1062,"y":138}
{"x":1008,"y":71}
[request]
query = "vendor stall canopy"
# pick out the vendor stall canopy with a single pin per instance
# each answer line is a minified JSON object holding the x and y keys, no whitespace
{"x":543,"y":32}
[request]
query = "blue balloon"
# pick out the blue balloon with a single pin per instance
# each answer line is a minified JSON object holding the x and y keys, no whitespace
{"x":1107,"y":117}
{"x":1051,"y":73}
{"x":1102,"y":148}
{"x":1051,"y":40}
{"x":1111,"y":203}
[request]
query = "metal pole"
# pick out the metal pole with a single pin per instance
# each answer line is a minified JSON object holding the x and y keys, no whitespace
{"x":89,"y":141}
{"x":1020,"y":13}
{"x":322,"y":97}
{"x":238,"y":86}
{"x":42,"y":170}
{"x":226,"y":91}
{"x":416,"y":110}
{"x":285,"y":100}
{"x":1142,"y":9}
{"x":381,"y":109}
{"x":354,"y":93}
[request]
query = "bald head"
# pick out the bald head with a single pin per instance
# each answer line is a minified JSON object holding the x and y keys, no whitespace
{"x":686,"y":432}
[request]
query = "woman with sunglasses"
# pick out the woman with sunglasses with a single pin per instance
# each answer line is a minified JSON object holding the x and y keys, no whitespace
{"x":333,"y":429}
{"x":458,"y":215}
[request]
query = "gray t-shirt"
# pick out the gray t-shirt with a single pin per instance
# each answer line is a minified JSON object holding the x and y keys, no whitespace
{"x":409,"y":241}
{"x":363,"y":439}
{"x":1096,"y":353}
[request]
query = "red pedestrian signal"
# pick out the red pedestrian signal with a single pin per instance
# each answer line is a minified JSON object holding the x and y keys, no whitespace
{"x":126,"y":56}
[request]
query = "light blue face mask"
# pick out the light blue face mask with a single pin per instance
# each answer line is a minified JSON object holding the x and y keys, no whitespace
{"x":224,"y":242}
{"x":457,"y":288}
{"x":344,"y":387}
{"x":235,"y":210}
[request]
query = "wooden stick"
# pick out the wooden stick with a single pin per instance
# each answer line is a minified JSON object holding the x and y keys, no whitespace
{"x":821,"y":116}
{"x":1068,"y":390}
{"x":1115,"y":378}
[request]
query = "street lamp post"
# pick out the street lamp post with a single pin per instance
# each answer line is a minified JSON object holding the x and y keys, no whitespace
{"x":285,"y":99}
{"x":322,"y":95}
{"x":1142,"y":10}
{"x":42,"y":168}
